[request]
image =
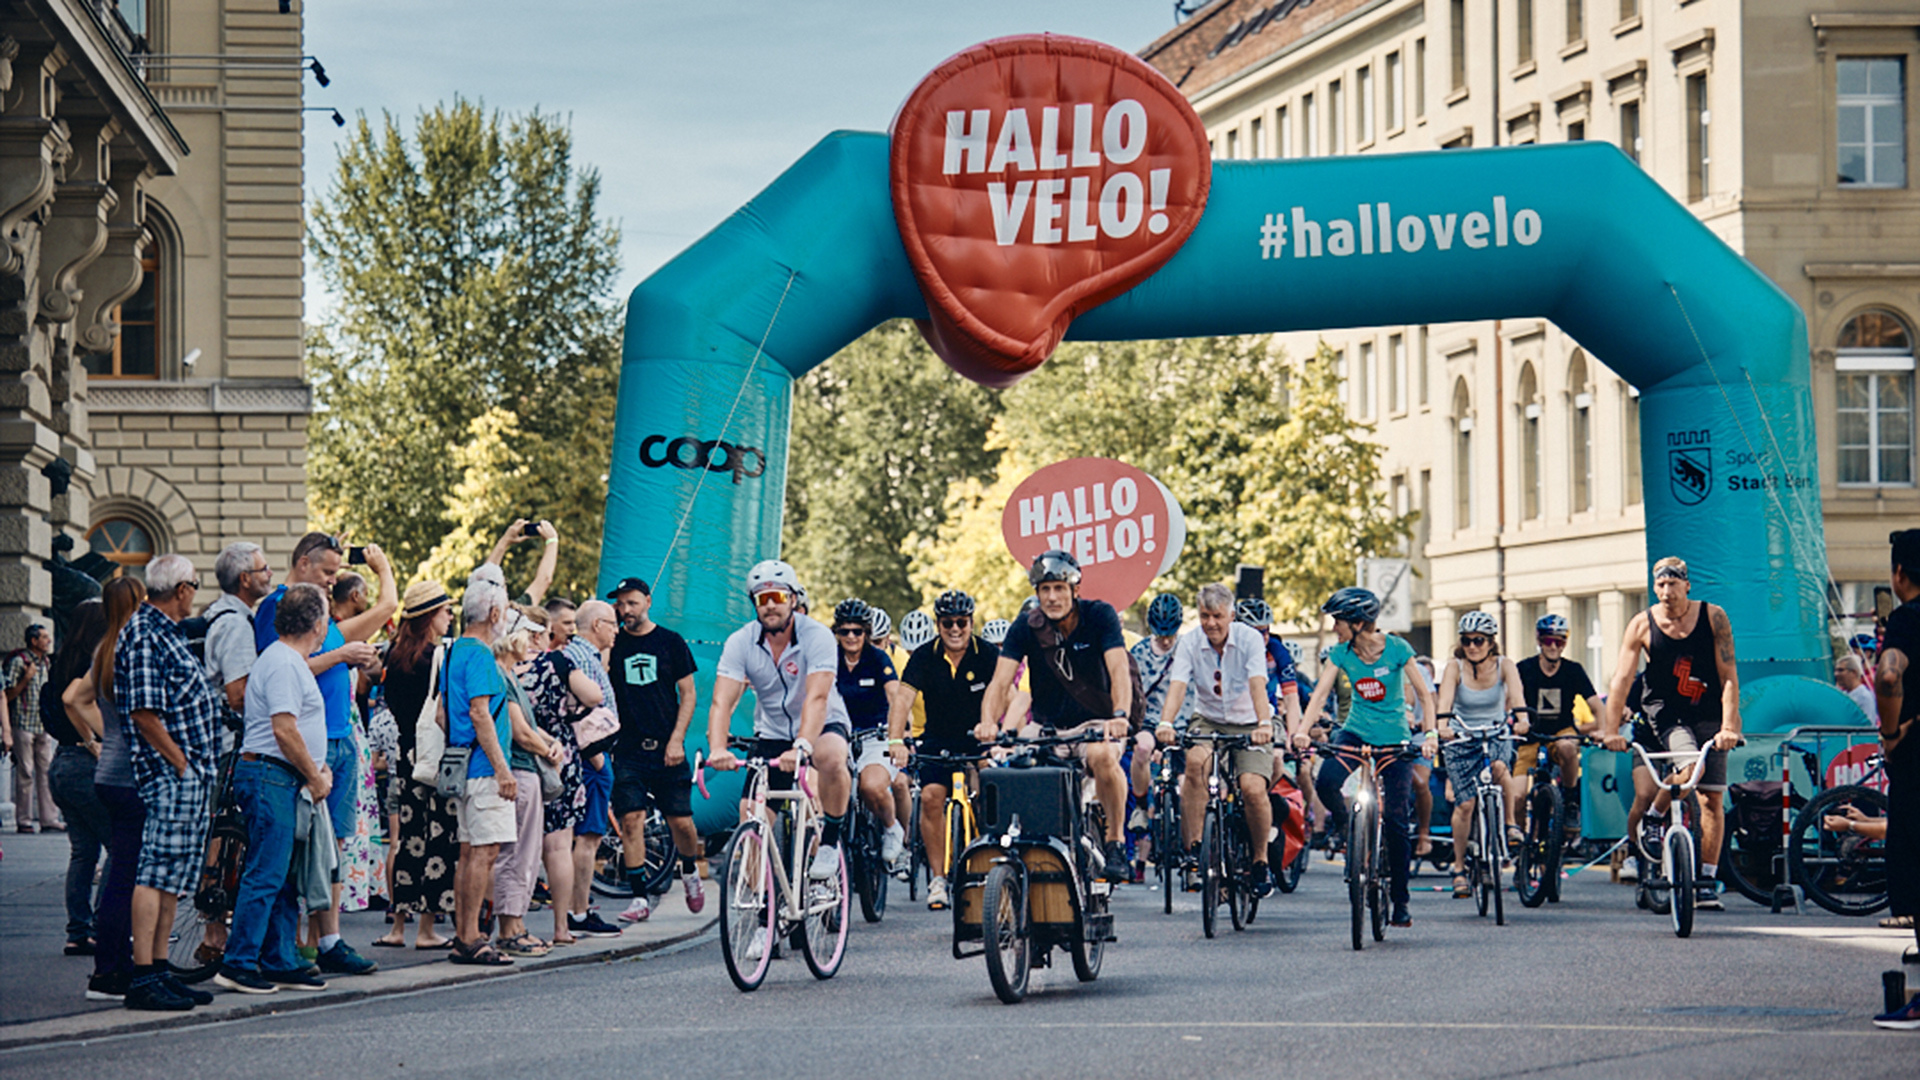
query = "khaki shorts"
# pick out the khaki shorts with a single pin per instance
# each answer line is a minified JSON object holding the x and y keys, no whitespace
{"x":1257,"y":760}
{"x":1527,"y":755}
{"x":485,"y":817}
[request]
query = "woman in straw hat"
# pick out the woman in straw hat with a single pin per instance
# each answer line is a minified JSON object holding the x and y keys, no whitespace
{"x":427,"y":841}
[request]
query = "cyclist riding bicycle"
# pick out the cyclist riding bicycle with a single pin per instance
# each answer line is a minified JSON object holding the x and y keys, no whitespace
{"x":949,"y":674}
{"x":915,"y":630}
{"x":1380,"y":667}
{"x":1479,"y":688}
{"x":1154,"y":656}
{"x":1692,"y":696}
{"x":865,"y":681}
{"x":791,"y":664}
{"x":1080,"y":674}
{"x":1226,"y":664}
{"x":1552,"y":684}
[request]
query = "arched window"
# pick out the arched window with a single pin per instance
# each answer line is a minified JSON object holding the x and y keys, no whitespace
{"x":1462,"y":457}
{"x":1873,"y":392}
{"x":124,"y":541}
{"x":1581,"y":430}
{"x":136,"y":348}
{"x":1529,"y":403}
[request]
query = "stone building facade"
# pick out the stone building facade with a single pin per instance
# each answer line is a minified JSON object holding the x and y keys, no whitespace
{"x":1783,"y":124}
{"x":150,"y":325}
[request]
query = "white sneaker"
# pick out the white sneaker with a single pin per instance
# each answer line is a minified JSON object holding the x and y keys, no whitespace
{"x":937,"y":894}
{"x":758,"y":947}
{"x":637,"y":911}
{"x":826,"y":863}
{"x":893,"y":843}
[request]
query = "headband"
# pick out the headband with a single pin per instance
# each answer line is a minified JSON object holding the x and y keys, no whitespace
{"x":1675,"y":572}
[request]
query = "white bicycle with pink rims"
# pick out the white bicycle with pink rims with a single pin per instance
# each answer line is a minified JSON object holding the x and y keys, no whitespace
{"x":1672,"y":890}
{"x":767,"y":894}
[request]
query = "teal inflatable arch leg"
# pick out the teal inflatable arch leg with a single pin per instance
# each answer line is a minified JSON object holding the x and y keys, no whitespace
{"x":1574,"y":233}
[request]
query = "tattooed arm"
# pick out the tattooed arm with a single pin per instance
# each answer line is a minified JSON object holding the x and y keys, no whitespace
{"x":1888,"y":677}
{"x":1729,"y":678}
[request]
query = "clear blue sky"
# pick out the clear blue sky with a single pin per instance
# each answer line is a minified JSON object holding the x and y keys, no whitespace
{"x":687,"y":109}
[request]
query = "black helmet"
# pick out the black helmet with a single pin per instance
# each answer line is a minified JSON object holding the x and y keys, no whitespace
{"x":953,"y":602}
{"x":1055,"y":565}
{"x":1353,"y":604}
{"x":851,"y":610}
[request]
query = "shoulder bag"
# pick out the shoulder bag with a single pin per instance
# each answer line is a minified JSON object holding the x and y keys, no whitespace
{"x":429,"y":728}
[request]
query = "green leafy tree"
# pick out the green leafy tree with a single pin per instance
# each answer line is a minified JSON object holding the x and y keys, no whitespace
{"x":879,"y":432}
{"x":470,"y":272}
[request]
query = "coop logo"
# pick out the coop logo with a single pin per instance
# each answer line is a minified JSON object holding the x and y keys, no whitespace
{"x":1690,"y":465}
{"x":713,"y":455}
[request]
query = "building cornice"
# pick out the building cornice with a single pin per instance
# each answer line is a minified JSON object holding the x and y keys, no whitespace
{"x":221,"y":397}
{"x":78,"y":27}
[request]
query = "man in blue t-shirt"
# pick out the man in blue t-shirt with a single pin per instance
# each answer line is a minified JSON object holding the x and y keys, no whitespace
{"x":1079,"y":663}
{"x":475,"y":698}
{"x":316,"y":561}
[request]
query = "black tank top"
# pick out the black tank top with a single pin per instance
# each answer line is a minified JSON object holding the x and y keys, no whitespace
{"x":1682,"y":679}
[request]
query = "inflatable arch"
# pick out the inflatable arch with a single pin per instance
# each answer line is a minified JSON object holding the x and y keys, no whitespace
{"x":1574,"y":233}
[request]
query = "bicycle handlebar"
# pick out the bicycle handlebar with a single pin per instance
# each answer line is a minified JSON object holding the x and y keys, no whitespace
{"x":1220,"y":741}
{"x":1697,"y":763}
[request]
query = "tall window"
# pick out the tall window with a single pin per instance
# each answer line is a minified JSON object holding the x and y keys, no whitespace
{"x":136,"y":350}
{"x":1283,"y":132}
{"x":1630,"y":435}
{"x":1874,"y":394}
{"x":1365,"y":387}
{"x":1462,"y":457}
{"x":1396,"y":92}
{"x":1336,"y":125}
{"x":1576,"y":21}
{"x":1420,"y":77}
{"x":1587,"y":638}
{"x":1457,"y":31}
{"x":1582,"y":432}
{"x":1396,"y":373}
{"x":1522,"y":31}
{"x":1577,"y":131}
{"x":1630,"y":130}
{"x":1628,"y":9}
{"x":1529,"y":444}
{"x":1257,"y":133}
{"x":1699,"y":146}
{"x":1872,"y":123}
{"x":1423,"y":365}
{"x":1233,"y":144}
{"x":123,"y":542}
{"x":1363,"y":103}
{"x":1309,"y":127}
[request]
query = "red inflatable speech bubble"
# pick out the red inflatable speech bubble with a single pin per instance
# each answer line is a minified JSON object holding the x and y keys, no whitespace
{"x":1123,"y":525}
{"x":1034,"y":178}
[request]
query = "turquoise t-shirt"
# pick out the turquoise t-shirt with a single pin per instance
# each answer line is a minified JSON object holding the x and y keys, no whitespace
{"x":1378,"y":715}
{"x":471,"y":673}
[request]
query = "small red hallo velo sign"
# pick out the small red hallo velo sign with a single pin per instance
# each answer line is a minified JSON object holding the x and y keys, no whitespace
{"x":1123,"y":526}
{"x":1035,"y":178}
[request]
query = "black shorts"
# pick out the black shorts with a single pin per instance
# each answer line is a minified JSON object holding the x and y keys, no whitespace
{"x":779,"y":779}
{"x":644,"y":785}
{"x":933,"y":771}
{"x":1691,"y":736}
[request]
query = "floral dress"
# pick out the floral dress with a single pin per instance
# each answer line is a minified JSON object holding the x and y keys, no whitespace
{"x":554,"y":706}
{"x":363,"y":857}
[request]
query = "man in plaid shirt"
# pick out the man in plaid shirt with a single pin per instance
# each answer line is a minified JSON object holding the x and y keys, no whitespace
{"x":164,"y":696}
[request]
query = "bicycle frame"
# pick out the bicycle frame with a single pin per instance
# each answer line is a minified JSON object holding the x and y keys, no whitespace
{"x":1223,"y":797}
{"x":1679,"y":853}
{"x":1489,"y":788}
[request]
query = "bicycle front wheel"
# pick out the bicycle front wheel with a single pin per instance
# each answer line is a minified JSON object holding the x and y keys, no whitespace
{"x":1359,"y":866}
{"x":1844,"y":872}
{"x":1166,"y":848}
{"x":829,"y":914}
{"x":747,"y":907}
{"x":1493,"y":829}
{"x":1210,"y":870}
{"x":188,"y":954}
{"x":1003,"y":923}
{"x":1679,"y":856}
{"x":1536,"y":866}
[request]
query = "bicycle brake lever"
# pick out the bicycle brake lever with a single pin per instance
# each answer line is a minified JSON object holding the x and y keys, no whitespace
{"x":700,"y":773}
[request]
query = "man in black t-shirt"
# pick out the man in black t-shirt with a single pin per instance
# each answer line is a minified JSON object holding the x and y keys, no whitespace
{"x":1896,"y":688}
{"x":1551,"y":684}
{"x":1092,"y":656}
{"x":652,"y":673}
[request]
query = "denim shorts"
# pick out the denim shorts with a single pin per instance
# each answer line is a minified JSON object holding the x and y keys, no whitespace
{"x":343,"y":757}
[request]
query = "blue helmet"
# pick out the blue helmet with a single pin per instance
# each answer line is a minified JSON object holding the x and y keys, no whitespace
{"x":1866,"y":642}
{"x":1164,"y":615}
{"x":1353,"y":604}
{"x":1551,"y":626}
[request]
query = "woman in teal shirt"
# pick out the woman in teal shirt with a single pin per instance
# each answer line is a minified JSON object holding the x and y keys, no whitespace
{"x":1379,"y":667}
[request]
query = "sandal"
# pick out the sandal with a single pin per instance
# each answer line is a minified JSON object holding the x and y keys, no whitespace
{"x":567,"y":940}
{"x":479,"y":954}
{"x":1461,"y":888}
{"x":1897,"y":922}
{"x":525,"y":944}
{"x":1515,"y":837}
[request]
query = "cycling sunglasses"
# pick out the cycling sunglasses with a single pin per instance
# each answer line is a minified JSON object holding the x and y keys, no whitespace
{"x":1474,"y":639}
{"x":1550,"y":639}
{"x":772,"y":596}
{"x":849,"y":631}
{"x":956,"y":623}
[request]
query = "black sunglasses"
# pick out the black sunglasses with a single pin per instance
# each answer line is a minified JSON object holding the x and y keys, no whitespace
{"x":949,"y":624}
{"x":849,"y":631}
{"x":1474,"y":639}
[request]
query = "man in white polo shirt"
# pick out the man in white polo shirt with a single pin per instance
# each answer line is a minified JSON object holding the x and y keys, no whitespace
{"x":1226,"y":664}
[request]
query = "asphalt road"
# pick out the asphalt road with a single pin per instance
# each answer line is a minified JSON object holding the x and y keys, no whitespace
{"x":1589,"y":987}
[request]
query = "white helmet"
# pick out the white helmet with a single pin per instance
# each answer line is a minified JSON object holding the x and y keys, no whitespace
{"x":772,"y":572}
{"x":996,"y":630}
{"x":880,"y":621}
{"x":1479,"y":622}
{"x":916,"y":629}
